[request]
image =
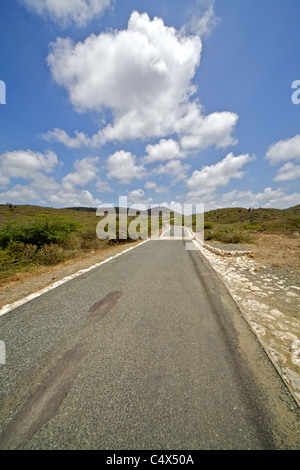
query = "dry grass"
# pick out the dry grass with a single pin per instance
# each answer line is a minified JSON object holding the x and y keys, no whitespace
{"x":20,"y":256}
{"x":277,"y":251}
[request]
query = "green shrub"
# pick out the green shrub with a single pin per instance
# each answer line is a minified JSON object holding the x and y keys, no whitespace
{"x":51,"y":254}
{"x":43,"y":230}
{"x":254,"y":227}
{"x":231,"y":236}
{"x":208,"y":235}
{"x":20,"y":251}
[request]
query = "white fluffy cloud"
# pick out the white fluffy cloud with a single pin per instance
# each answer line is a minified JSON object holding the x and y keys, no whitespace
{"x":284,"y":150}
{"x":59,"y":135}
{"x":65,"y":12}
{"x":143,"y":75}
{"x":288,"y":172}
{"x":136,"y":199}
{"x":124,"y":166}
{"x":203,"y":183}
{"x":151,"y":185}
{"x":85,"y":171}
{"x":200,"y":131}
{"x":164,"y":150}
{"x":19,"y":194}
{"x":25,"y":164}
{"x":73,"y":198}
{"x":174,"y":168}
{"x":268,"y":198}
{"x":103,"y":187}
{"x":34,"y":168}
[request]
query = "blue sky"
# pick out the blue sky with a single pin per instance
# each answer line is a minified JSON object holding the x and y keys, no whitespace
{"x":164,"y":102}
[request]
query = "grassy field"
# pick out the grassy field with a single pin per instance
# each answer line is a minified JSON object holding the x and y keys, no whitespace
{"x":238,"y":225}
{"x":33,"y":236}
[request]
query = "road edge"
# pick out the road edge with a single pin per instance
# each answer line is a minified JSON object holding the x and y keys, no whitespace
{"x":9,"y":307}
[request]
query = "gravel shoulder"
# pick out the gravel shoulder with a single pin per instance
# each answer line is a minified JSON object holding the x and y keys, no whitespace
{"x":266,"y":286}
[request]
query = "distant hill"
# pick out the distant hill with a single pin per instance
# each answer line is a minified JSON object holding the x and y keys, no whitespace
{"x":274,"y":220}
{"x":236,"y":214}
{"x":155,"y":210}
{"x":84,"y":209}
{"x":265,"y":220}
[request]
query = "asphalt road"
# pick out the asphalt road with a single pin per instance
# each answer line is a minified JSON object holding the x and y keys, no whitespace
{"x":175,"y":232}
{"x":147,"y":351}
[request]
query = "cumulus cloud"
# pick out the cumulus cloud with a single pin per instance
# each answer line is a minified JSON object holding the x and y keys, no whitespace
{"x":42,"y":188}
{"x":61,"y":136}
{"x":124,"y":166}
{"x":25,"y":164}
{"x":56,"y":196}
{"x":73,"y":198}
{"x":136,"y":199}
{"x":268,"y":198}
{"x":151,"y":185}
{"x":284,"y":150}
{"x":66,"y":12}
{"x":103,"y":187}
{"x":143,"y":75}
{"x":288,"y":172}
{"x":19,"y":193}
{"x":200,"y":131}
{"x":174,"y":168}
{"x":203,"y":183}
{"x":85,"y":171}
{"x":164,"y":150}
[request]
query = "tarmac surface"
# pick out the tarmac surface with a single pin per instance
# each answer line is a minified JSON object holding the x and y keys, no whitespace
{"x":147,"y":351}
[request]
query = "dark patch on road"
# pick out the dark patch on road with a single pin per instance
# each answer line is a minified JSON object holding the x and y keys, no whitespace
{"x":43,"y":403}
{"x":104,"y":306}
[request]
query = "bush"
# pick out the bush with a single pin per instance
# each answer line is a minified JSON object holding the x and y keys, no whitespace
{"x":254,"y":227}
{"x":20,"y":251}
{"x":208,"y":235}
{"x":43,"y":230}
{"x":231,"y":236}
{"x":51,"y":254}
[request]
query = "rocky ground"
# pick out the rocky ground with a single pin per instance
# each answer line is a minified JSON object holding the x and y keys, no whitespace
{"x":266,"y":286}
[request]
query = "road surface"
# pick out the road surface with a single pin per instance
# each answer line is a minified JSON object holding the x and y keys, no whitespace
{"x":176,"y":232}
{"x":147,"y":351}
